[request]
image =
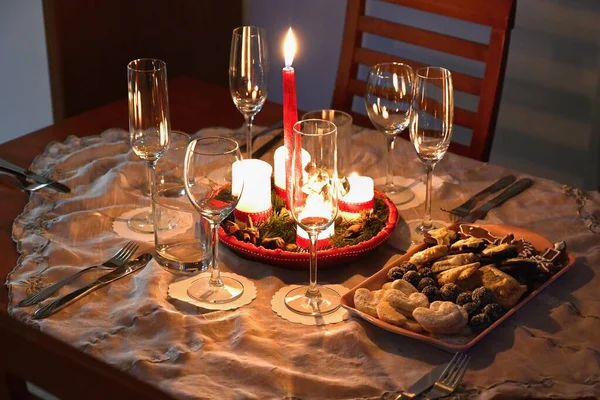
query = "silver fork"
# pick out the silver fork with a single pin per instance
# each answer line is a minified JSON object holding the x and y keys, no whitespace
{"x":119,"y":259}
{"x":450,"y":378}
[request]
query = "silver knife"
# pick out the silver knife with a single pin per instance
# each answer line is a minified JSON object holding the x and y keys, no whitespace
{"x":512,"y":191}
{"x":67,"y":299}
{"x":8,"y":166}
{"x":422,"y":384}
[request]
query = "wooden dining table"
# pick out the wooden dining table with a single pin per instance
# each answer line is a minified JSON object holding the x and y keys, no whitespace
{"x":548,"y":346}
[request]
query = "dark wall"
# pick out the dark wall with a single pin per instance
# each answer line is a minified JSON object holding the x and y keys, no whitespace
{"x":90,"y":43}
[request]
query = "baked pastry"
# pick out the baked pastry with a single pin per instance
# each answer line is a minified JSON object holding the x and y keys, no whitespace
{"x":507,"y":290}
{"x":470,"y":244}
{"x":387,"y":313}
{"x":428,"y":255}
{"x":442,"y":236}
{"x":405,"y":304}
{"x":403,"y":286}
{"x":442,"y":317}
{"x":457,"y":274}
{"x":366,"y":301}
{"x":500,"y":252}
{"x":449,"y":262}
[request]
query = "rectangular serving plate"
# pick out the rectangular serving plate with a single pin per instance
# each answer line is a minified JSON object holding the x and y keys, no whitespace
{"x":453,"y":343}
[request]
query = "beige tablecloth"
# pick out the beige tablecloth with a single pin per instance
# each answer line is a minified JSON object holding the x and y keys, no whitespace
{"x":549,"y":348}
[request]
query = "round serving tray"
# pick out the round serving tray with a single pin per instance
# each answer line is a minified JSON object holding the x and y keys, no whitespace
{"x":327,"y":258}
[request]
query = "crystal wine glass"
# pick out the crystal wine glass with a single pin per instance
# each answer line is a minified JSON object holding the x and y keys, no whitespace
{"x":314,"y":207}
{"x":208,"y":172}
{"x":248,"y":74}
{"x":148,"y":122}
{"x":387,"y":99}
{"x":431,"y":125}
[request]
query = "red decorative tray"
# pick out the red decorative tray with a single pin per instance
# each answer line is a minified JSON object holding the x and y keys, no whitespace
{"x":327,"y":258}
{"x":455,"y":342}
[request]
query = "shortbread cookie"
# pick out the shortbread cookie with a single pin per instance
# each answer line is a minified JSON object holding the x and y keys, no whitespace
{"x":428,"y":255}
{"x":405,"y":304}
{"x":387,"y":313}
{"x":403,"y":286}
{"x":387,"y":286}
{"x":457,"y":274}
{"x":449,"y":262}
{"x":442,"y":317}
{"x":365,"y":301}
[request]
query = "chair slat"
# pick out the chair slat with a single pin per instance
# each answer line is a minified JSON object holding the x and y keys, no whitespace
{"x":420,"y":37}
{"x":462,"y":82}
{"x":462,"y":117}
{"x":494,"y":13}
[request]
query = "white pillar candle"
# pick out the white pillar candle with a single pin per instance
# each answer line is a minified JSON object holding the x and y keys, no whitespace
{"x":279,"y":163}
{"x":360,"y":196}
{"x":255,"y":200}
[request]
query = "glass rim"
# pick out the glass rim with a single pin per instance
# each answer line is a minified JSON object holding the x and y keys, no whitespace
{"x":216,"y":139}
{"x":377,"y":67}
{"x":158,"y":65}
{"x":442,"y":72}
{"x":326,"y":110}
{"x":154,"y":197}
{"x":332,"y":126}
{"x":254,"y":30}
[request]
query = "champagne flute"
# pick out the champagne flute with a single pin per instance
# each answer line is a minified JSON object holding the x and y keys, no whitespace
{"x":431,"y":125}
{"x":387,"y":99}
{"x":208,"y":177}
{"x":148,"y":123}
{"x":314,"y":207}
{"x":248,"y":74}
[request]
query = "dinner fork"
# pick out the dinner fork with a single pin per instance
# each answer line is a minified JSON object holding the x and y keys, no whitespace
{"x":25,"y":185}
{"x":450,"y":378}
{"x":119,"y":259}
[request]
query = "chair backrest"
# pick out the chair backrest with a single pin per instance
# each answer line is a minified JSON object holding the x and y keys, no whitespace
{"x":497,"y":15}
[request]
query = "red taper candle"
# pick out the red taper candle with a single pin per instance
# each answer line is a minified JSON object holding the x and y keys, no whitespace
{"x":290,"y":110}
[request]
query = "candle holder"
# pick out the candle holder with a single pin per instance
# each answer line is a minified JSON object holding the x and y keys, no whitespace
{"x":274,"y":241}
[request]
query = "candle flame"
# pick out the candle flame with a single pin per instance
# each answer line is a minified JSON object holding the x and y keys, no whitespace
{"x":289,"y":48}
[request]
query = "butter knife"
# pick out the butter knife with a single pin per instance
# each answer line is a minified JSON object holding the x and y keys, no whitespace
{"x":512,"y":191}
{"x":70,"y":298}
{"x":422,"y":384}
{"x":468,"y":205}
{"x":8,"y":166}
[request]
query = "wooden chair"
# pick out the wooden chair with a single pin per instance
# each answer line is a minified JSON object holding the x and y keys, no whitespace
{"x":496,"y":14}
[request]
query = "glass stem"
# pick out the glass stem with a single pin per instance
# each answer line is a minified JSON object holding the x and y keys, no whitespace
{"x":427,"y":218}
{"x":313,"y":289}
{"x":249,"y":120}
{"x":389,"y":178}
{"x":151,"y":184}
{"x":215,"y":274}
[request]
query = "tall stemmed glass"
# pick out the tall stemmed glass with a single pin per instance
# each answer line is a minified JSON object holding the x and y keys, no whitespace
{"x":431,"y":125}
{"x":248,"y":74}
{"x":208,"y":172}
{"x":314,"y":207}
{"x":149,"y":123}
{"x":388,"y":99}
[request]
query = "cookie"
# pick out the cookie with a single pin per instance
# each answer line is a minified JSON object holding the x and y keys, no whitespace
{"x":387,"y":313}
{"x":413,"y":325}
{"x":403,"y":286}
{"x":443,"y":236}
{"x":405,"y":304}
{"x":428,"y":255}
{"x":365,"y":301}
{"x":470,"y":244}
{"x":442,"y":317}
{"x":449,"y":262}
{"x":457,"y":274}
